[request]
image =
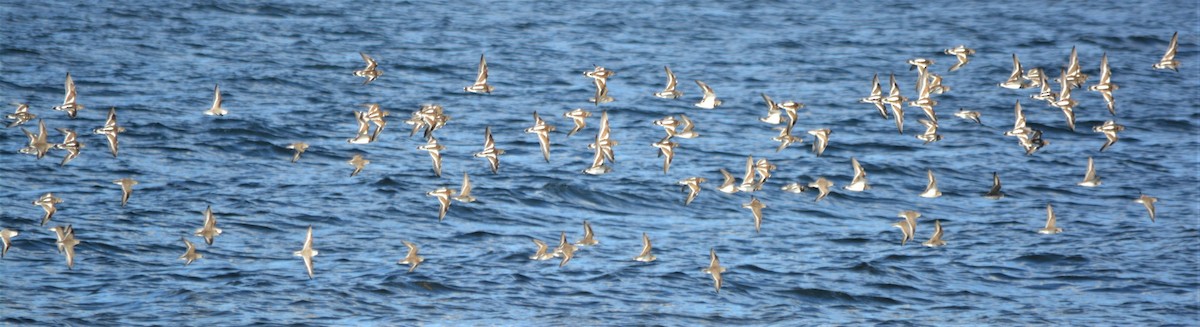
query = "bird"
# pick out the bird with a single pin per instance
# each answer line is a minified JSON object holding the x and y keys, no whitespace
{"x":896,"y":102}
{"x":930,"y":135}
{"x":68,"y":244}
{"x":755,"y":207}
{"x":21,"y":115}
{"x":692,"y":185}
{"x":1105,"y":86}
{"x":1074,"y":76}
{"x":599,"y":73}
{"x":921,"y":64}
{"x":709,"y":101}
{"x":464,"y":195}
{"x":668,"y":123}
{"x":968,"y":115}
{"x":645,"y":255}
{"x":578,"y":116}
{"x":60,"y":234}
{"x":994,"y":193}
{"x":216,"y":109}
{"x":785,"y":138}
{"x":714,"y":268}
{"x":209,"y":230}
{"x":1036,"y":76}
{"x":541,"y":253}
{"x":1015,"y":80}
{"x":47,"y":202}
{"x":763,"y":169}
{"x":589,"y":238}
{"x":822,"y":185}
{"x":298,"y":148}
{"x":126,"y":188}
{"x":489,"y":150}
{"x":931,"y":189}
{"x":908,"y":226}
{"x":960,"y":52}
{"x":876,"y":97}
{"x":434,"y":148}
{"x":358,"y":162}
{"x":38,"y":144}
{"x":190,"y":254}
{"x":749,"y":184}
{"x":774,"y":114}
{"x":1065,"y":102}
{"x":443,"y":196}
{"x":565,"y":249}
{"x":375,"y":114}
{"x":543,"y":134}
{"x":72,"y":108}
{"x":1045,"y":93}
{"x":1167,"y":63}
{"x":411,"y":259}
{"x":598,"y":167}
{"x":1050,"y":228}
{"x":859,"y":183}
{"x":687,"y":128}
{"x":481,"y":85}
{"x":604,"y":143}
{"x":371,"y":72}
{"x":363,"y":135}
{"x":6,"y":236}
{"x":821,"y":140}
{"x":729,"y":184}
{"x":1089,"y":178}
{"x":666,"y":149}
{"x":307,"y":252}
{"x":110,"y":131}
{"x":669,"y":92}
{"x":601,"y":92}
{"x":1110,"y":129}
{"x":1145,"y":200}
{"x":794,"y":188}
{"x":936,"y":240}
{"x":791,"y":110}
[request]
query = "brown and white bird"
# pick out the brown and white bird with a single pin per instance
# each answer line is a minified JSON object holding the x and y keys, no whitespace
{"x":307,"y":252}
{"x":1089,"y":177}
{"x":480,"y":85}
{"x":209,"y":230}
{"x":412,"y":258}
{"x":190,"y":254}
{"x":298,"y":148}
{"x":714,"y":268}
{"x":565,"y":249}
{"x":443,"y":196}
{"x":126,"y":188}
{"x":359,"y":163}
{"x":577,"y":116}
{"x":1105,"y":86}
{"x":371,"y":72}
{"x":72,"y":108}
{"x":435,"y":152}
{"x":215,"y":109}
{"x":1051,"y":226}
{"x":669,"y":91}
{"x":1110,"y":129}
{"x":645,"y":255}
{"x":589,"y":237}
{"x":1145,"y":200}
{"x":709,"y":101}
{"x":543,"y":134}
{"x":755,"y":207}
{"x":47,"y":202}
{"x":110,"y":131}
{"x":936,"y":240}
{"x":6,"y":236}
{"x":692,"y":185}
{"x":490,"y":152}
{"x":1167,"y":62}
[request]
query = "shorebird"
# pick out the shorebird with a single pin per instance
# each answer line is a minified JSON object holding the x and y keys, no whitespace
{"x":1167,"y":63}
{"x":47,"y":202}
{"x":822,"y":185}
{"x":68,"y":244}
{"x":968,"y":115}
{"x":190,"y":254}
{"x":443,"y":196}
{"x":666,"y":149}
{"x":774,"y":114}
{"x":714,"y":269}
{"x":669,"y":92}
{"x":71,"y":107}
{"x":411,"y":259}
{"x":1045,"y":93}
{"x":543,"y":134}
{"x":598,"y":167}
{"x":38,"y":144}
{"x":601,"y":92}
{"x":209,"y":230}
{"x":307,"y":252}
{"x":931,"y":189}
{"x":1089,"y":178}
{"x":215,"y":109}
{"x":481,"y":85}
{"x":921,"y":64}
{"x":363,"y":135}
{"x":907,"y":226}
{"x":1074,"y":76}
{"x":1145,"y":200}
{"x":1110,"y":129}
{"x":490,"y":151}
{"x":930,"y":135}
{"x":359,"y":163}
{"x":749,"y":184}
{"x":110,"y":131}
{"x":577,"y":116}
{"x":589,"y":238}
{"x":896,"y":101}
{"x":709,"y":101}
{"x":763,"y":169}
{"x":820,"y":140}
{"x":565,"y":249}
{"x":298,"y":148}
{"x":434,"y":148}
{"x":604,"y":143}
{"x":1065,"y":102}
{"x":1050,"y":228}
{"x":791,"y":110}
{"x":464,"y":194}
{"x":668,"y":123}
{"x":794,"y":188}
{"x":1105,"y":86}
{"x":126,"y":188}
{"x":645,"y":255}
{"x":729,"y":184}
{"x":755,"y":207}
{"x":541,"y":253}
{"x":994,"y":193}
{"x":599,"y":73}
{"x":785,"y":138}
{"x":1036,"y":76}
{"x":859,"y":183}
{"x":21,"y":115}
{"x":1015,"y":80}
{"x":936,"y":240}
{"x":687,"y":128}
{"x":371,"y":72}
{"x":6,"y":236}
{"x":876,"y":97}
{"x":375,"y":114}
{"x":692,"y":185}
{"x":960,"y":52}
{"x":60,"y":234}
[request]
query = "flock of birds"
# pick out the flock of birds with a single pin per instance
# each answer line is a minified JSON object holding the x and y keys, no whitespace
{"x":430,"y":118}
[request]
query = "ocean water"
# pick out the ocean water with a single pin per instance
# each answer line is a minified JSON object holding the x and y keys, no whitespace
{"x":285,"y":73}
